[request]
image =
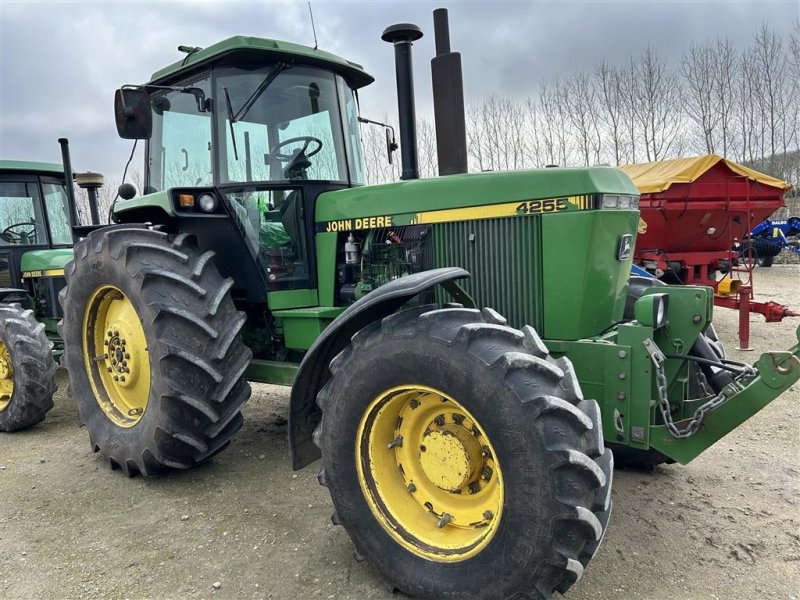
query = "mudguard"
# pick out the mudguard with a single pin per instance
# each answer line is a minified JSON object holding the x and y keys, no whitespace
{"x":313,"y":373}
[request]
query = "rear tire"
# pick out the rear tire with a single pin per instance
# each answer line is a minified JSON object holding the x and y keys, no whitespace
{"x":189,"y":350}
{"x":551,"y":464}
{"x":27,"y":369}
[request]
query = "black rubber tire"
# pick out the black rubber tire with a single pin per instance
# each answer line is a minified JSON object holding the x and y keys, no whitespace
{"x":34,"y":368}
{"x":193,"y":335}
{"x":766,"y":261}
{"x":523,"y":399}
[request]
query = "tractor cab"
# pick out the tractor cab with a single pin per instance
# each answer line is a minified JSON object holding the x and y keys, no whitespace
{"x":254,"y":130}
{"x":35,"y":232}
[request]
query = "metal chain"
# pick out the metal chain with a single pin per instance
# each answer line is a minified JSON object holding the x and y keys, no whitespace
{"x":664,"y":406}
{"x":666,"y":409}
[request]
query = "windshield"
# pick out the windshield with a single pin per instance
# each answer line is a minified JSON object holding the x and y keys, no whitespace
{"x":280,"y":123}
{"x":21,"y":220}
{"x":276,"y":122}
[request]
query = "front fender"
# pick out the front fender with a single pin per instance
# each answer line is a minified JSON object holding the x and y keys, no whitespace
{"x":313,"y":373}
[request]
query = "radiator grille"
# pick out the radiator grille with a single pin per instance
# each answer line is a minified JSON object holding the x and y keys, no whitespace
{"x":503,"y":256}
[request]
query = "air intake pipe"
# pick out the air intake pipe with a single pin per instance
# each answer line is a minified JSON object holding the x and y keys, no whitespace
{"x":448,"y":100}
{"x":403,"y":35}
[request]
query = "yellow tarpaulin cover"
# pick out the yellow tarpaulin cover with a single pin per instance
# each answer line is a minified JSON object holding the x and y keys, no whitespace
{"x":656,"y":177}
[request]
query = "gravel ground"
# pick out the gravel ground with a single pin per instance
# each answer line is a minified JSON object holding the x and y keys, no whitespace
{"x":725,"y":526}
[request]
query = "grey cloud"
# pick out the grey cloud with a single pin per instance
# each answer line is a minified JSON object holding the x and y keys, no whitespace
{"x":60,"y":62}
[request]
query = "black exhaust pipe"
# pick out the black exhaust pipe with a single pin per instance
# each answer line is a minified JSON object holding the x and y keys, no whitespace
{"x":67,"y":164}
{"x":448,"y":100}
{"x":403,"y":35}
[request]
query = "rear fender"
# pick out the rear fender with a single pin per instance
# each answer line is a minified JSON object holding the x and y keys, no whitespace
{"x":313,"y":373}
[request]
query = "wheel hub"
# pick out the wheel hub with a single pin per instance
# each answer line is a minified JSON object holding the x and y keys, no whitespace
{"x":429,"y":473}
{"x":450,"y":457}
{"x":116,"y":356}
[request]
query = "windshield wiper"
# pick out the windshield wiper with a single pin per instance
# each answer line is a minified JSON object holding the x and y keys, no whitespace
{"x":230,"y":123}
{"x":279,"y":68}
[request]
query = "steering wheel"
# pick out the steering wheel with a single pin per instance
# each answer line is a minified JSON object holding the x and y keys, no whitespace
{"x":308,"y":139}
{"x":20,"y":237}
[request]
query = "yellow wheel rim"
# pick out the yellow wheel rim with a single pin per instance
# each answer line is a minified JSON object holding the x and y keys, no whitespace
{"x":115,"y":355}
{"x":429,"y":473}
{"x":6,"y":377}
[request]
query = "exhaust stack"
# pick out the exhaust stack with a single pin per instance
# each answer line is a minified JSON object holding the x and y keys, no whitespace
{"x":448,"y":100}
{"x":68,"y":179}
{"x":403,"y":35}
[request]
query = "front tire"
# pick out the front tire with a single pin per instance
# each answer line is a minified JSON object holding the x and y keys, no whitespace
{"x":153,"y":349}
{"x":461,"y":458}
{"x":27,"y":369}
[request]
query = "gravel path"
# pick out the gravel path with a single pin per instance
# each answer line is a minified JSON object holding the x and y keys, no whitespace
{"x":725,"y":526}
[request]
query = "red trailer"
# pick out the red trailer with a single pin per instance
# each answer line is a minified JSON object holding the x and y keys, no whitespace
{"x":694,"y":212}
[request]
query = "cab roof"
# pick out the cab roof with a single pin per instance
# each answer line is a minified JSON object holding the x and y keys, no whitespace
{"x":267,"y":50}
{"x":28,"y":166}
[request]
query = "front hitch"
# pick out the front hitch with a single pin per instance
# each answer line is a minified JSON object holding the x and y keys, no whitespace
{"x":774,"y":373}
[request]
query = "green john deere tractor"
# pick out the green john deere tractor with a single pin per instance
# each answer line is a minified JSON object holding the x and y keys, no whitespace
{"x":35,"y":244}
{"x":38,"y":223}
{"x":460,"y":420}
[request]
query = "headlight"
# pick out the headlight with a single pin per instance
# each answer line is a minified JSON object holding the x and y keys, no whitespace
{"x":652,"y":310}
{"x":620,"y":202}
{"x":207,"y":202}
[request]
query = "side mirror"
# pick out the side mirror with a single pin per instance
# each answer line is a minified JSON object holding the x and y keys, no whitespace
{"x":133,"y":114}
{"x":391,"y":144}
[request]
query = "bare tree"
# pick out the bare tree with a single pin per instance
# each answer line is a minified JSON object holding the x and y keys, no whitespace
{"x":611,"y":100}
{"x":658,"y":105}
{"x":700,"y":101}
{"x":582,"y":114}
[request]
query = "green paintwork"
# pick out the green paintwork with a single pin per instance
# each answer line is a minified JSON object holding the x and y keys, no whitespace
{"x":470,"y":189}
{"x":777,"y":372}
{"x":41,"y":260}
{"x":265,"y":50}
{"x":326,"y":267}
{"x":26,"y":166}
{"x":50,"y":326}
{"x":583,"y":283}
{"x":159,"y":200}
{"x":285,"y":299}
{"x":301,"y":326}
{"x":270,"y":371}
{"x":616,"y":370}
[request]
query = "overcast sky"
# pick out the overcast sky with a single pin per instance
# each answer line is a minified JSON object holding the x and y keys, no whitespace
{"x":61,"y":61}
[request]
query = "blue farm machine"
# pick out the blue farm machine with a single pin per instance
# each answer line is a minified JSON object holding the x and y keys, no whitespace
{"x":768,"y":238}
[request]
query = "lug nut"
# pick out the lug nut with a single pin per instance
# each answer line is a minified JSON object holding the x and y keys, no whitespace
{"x":110,"y":369}
{"x":444,"y":520}
{"x":396,"y":443}
{"x":458,"y":419}
{"x":411,"y":488}
{"x":116,"y":333}
{"x":488,"y":515}
{"x":486,"y":475}
{"x":127,"y":356}
{"x":110,"y":333}
{"x":122,"y":378}
{"x":413,"y":404}
{"x":474,"y":487}
{"x":439,"y":420}
{"x":116,"y":378}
